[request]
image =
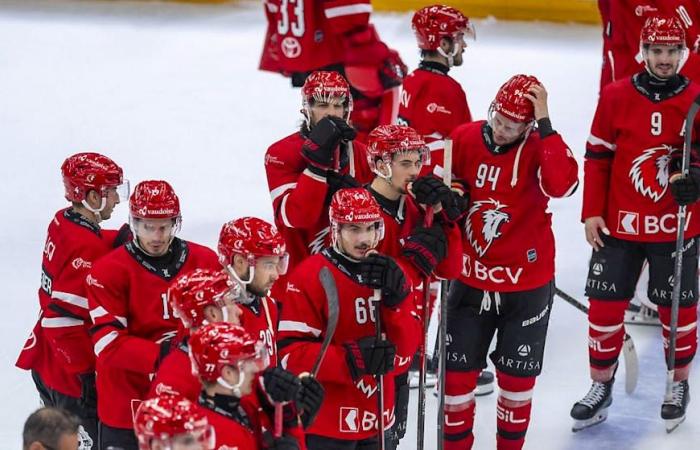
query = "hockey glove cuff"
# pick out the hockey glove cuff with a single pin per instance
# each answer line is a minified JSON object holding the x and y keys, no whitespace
{"x":382,"y":272}
{"x":280,"y":385}
{"x":369,"y":356}
{"x":426,"y":248}
{"x":309,"y":399}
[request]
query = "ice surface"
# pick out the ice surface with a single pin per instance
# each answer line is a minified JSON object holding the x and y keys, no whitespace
{"x":172,"y":91}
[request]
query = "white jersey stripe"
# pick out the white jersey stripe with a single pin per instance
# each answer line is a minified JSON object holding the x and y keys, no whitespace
{"x":595,"y":140}
{"x":104,"y":341}
{"x":60,"y":322}
{"x":516,"y":396}
{"x":302,"y":327}
{"x":454,"y":400}
{"x":281,"y":190}
{"x":348,"y":10}
{"x":603,"y":329}
{"x":73,"y":299}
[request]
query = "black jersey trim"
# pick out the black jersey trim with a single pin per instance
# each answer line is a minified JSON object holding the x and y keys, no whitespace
{"x":166,"y":266}
{"x":72,"y":216}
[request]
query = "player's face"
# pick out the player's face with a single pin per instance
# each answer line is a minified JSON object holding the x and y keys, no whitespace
{"x":357,"y":239}
{"x":267,"y":271}
{"x":505,"y":131}
{"x":405,"y":169}
{"x":334,"y":108}
{"x":461,"y":45}
{"x":154,"y":235}
{"x":663,"y":60}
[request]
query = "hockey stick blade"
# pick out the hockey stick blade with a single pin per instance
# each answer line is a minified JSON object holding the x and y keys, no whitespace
{"x":628,"y":350}
{"x":328,"y":283}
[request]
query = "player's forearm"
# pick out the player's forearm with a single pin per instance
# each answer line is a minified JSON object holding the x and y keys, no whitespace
{"x":302,"y":206}
{"x":129,"y":353}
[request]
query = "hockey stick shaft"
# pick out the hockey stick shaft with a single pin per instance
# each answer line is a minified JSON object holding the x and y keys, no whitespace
{"x":678,"y":267}
{"x":442,"y":331}
{"x":328,"y":283}
{"x":380,"y":378}
{"x":628,"y":349}
{"x":420,"y":433}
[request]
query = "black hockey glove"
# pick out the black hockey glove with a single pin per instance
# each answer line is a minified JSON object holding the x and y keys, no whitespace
{"x":425,"y":248}
{"x":309,"y":399}
{"x":124,"y":235}
{"x":280,"y":385}
{"x":324,"y":138}
{"x":283,"y":443}
{"x":88,"y":392}
{"x":430,"y":190}
{"x":685,"y":190}
{"x":382,"y":272}
{"x":337,"y":181}
{"x":369,"y":356}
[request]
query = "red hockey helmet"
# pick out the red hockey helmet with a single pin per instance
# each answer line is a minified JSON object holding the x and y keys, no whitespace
{"x":216,"y":345}
{"x":195,"y":290}
{"x":387,"y":140}
{"x":354,"y":206}
{"x":154,"y":199}
{"x":664,"y":30}
{"x":432,"y":23}
{"x":169,"y":419}
{"x":85,"y":172}
{"x":511,"y":102}
{"x":321,"y":86}
{"x":251,"y":237}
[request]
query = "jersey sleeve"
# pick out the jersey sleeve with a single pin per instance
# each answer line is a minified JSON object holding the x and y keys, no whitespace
{"x":600,"y":151}
{"x":558,"y":170}
{"x":113,"y":345}
{"x":297,"y":198}
{"x":302,"y":329}
{"x":450,"y":267}
{"x":402,"y":324}
{"x":343,"y":16}
{"x":66,"y":319}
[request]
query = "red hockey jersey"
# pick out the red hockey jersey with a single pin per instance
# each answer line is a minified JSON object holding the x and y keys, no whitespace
{"x":259,"y":318}
{"x":626,"y":18}
{"x":59,"y":348}
{"x":433,"y":103}
{"x":349,"y":410}
{"x":299,"y":198}
{"x":131,"y":316}
{"x":628,"y":152}
{"x":305,"y":35}
{"x":508,"y":242}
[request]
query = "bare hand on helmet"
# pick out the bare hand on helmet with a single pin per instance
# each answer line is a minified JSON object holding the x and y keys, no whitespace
{"x":537,"y":94}
{"x":319,"y":149}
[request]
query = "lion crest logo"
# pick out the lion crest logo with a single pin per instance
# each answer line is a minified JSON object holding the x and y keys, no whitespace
{"x":649,"y":172}
{"x":484,"y":221}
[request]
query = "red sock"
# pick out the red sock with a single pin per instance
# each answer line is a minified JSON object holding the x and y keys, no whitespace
{"x":513,"y":410}
{"x":606,"y":330}
{"x":686,"y":337}
{"x":459,"y":409}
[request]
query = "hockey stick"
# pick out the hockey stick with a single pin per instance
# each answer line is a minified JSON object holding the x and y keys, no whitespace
{"x":628,"y":350}
{"x":328,"y":283}
{"x":678,"y":267}
{"x":420,"y":434}
{"x":442,"y":332}
{"x":380,"y":378}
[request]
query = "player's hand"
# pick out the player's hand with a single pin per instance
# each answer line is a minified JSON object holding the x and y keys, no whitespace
{"x":429,"y":190}
{"x":319,"y":148}
{"x":124,"y":235}
{"x":309,"y":399}
{"x":537,"y":94}
{"x":426,"y":247}
{"x":337,"y":181}
{"x":280,"y":385}
{"x":594,"y":226}
{"x":685,"y":190}
{"x":369,"y":356}
{"x":382,"y":272}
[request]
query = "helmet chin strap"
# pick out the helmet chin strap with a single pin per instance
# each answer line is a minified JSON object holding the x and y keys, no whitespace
{"x":235,"y":389}
{"x":246,"y":297}
{"x":97,"y":211}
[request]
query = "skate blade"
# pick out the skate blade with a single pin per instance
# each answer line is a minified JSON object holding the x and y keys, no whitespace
{"x":483,"y":389}
{"x":672,"y":424}
{"x":595,"y":420}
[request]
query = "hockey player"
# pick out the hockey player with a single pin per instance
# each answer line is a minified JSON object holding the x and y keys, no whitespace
{"x":510,"y":166}
{"x":198,"y":297}
{"x":238,"y":402}
{"x":307,"y":167}
{"x":623,"y":21}
{"x":349,"y":415}
{"x":630,"y":217}
{"x":133,"y":323}
{"x":335,"y":35}
{"x":396,"y":155}
{"x":172,"y":422}
{"x":432,"y":102}
{"x":59,"y":349}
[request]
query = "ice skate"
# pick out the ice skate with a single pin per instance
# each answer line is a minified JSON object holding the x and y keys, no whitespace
{"x":673,"y":412}
{"x":593,"y":408}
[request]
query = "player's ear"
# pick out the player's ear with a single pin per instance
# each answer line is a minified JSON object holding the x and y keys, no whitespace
{"x":240,"y":263}
{"x":446,"y":45}
{"x":93,"y":199}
